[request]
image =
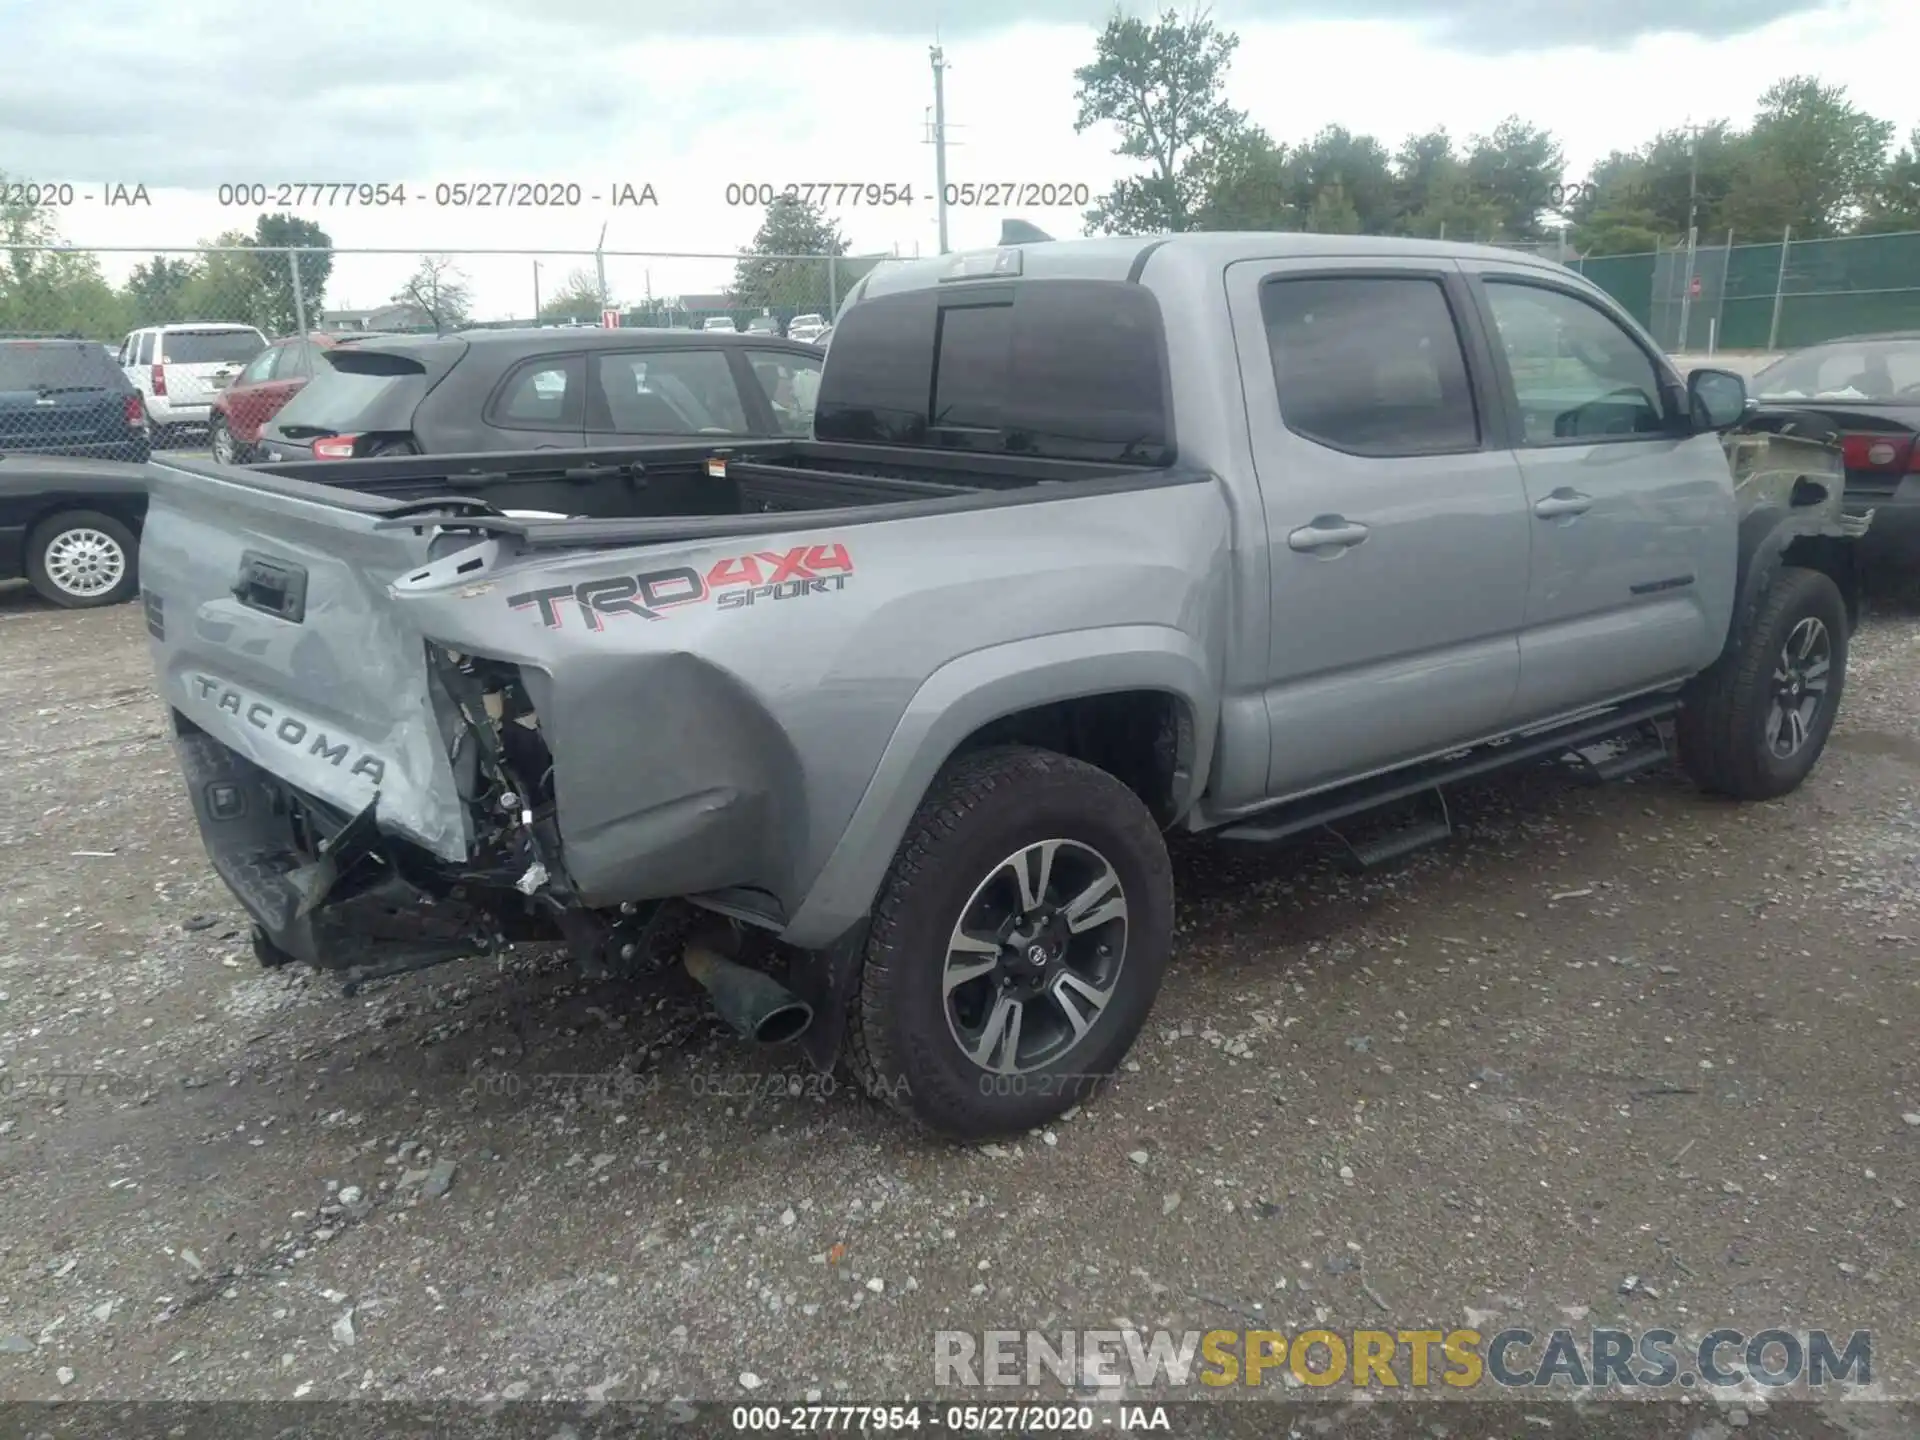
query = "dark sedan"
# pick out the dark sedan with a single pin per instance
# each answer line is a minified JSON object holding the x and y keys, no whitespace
{"x":487,"y":390}
{"x":1868,"y":386}
{"x":71,"y":527}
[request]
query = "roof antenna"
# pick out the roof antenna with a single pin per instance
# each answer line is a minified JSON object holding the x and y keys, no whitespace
{"x":1020,"y":232}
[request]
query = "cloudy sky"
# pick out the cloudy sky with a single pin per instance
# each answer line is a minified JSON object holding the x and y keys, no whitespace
{"x":690,"y":95}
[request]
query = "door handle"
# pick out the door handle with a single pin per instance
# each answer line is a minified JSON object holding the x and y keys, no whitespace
{"x":1563,"y":503}
{"x":1327,"y":532}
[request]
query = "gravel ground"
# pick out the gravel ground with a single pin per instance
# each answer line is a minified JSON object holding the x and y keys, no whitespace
{"x":1628,"y":1032}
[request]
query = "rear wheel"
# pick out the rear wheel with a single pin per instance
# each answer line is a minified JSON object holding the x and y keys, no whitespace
{"x":82,"y":559}
{"x":1754,"y":726}
{"x":1017,"y":944}
{"x":226,"y":449}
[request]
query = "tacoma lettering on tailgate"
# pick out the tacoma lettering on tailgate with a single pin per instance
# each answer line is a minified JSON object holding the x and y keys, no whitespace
{"x":290,"y":730}
{"x":732,"y":583}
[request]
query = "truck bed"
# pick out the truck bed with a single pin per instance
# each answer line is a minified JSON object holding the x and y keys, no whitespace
{"x":656,"y":493}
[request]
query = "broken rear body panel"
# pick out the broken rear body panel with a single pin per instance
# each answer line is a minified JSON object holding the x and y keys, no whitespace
{"x":532,"y":738}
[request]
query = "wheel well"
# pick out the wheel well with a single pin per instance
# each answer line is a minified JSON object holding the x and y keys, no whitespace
{"x":1143,"y":738}
{"x":129,"y":515}
{"x":1836,"y":558}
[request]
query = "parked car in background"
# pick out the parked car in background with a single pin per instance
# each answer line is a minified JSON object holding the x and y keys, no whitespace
{"x":762,"y":325}
{"x":719,"y":322}
{"x":1868,"y":387}
{"x":178,"y":369}
{"x":67,"y":397}
{"x":71,"y":527}
{"x":823,"y":337}
{"x":541,"y":389}
{"x":806,"y":327}
{"x":257,"y":393}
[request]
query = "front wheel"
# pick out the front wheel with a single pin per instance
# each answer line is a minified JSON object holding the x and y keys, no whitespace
{"x":1754,"y":726}
{"x":1017,"y":944}
{"x":82,"y":559}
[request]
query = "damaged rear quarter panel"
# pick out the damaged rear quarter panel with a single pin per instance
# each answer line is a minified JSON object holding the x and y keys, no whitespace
{"x":703,"y":742}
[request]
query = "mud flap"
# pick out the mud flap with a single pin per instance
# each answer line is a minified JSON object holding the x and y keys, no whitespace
{"x":828,"y":980}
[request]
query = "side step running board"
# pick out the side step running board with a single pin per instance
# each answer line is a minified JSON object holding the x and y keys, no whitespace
{"x":1395,"y":844}
{"x":1295,"y":816}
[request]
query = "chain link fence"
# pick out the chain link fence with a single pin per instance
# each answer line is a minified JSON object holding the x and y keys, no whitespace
{"x":1770,"y":295}
{"x":110,"y":351}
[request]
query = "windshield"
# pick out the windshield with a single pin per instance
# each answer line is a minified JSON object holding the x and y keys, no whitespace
{"x":201,"y":347}
{"x":1861,"y":370}
{"x":31,"y":365}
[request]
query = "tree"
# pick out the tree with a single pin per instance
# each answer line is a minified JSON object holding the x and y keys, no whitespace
{"x":157,"y":291}
{"x":1516,"y":172}
{"x":1895,"y":203}
{"x":56,"y":291}
{"x":1811,"y":159}
{"x":1163,"y":86}
{"x":275,"y":274}
{"x":581,"y":298}
{"x":768,"y":275}
{"x":440,"y":290}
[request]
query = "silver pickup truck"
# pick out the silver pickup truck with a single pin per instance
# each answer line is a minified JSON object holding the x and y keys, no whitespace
{"x":1094,"y":541}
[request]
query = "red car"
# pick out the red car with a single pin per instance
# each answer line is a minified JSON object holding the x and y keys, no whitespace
{"x":256,"y":394}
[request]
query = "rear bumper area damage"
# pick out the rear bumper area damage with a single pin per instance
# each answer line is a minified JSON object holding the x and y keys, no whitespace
{"x":344,"y":892}
{"x":341,"y":893}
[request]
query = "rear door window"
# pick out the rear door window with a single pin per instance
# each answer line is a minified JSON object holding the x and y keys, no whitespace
{"x":211,"y":347}
{"x":145,"y":356}
{"x":791,"y":384}
{"x":1063,"y":369}
{"x":542,"y":394}
{"x":1370,"y":364}
{"x":668,"y":392}
{"x":260,"y":367}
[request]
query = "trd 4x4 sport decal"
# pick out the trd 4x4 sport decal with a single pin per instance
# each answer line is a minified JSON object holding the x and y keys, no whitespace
{"x":732,"y":583}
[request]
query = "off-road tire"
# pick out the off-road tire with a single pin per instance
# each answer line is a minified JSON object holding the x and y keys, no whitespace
{"x":1723,"y":718}
{"x":69,"y":522}
{"x":984,"y":807}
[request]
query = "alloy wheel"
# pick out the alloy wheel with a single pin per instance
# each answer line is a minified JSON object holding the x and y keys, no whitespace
{"x":1035,"y":957}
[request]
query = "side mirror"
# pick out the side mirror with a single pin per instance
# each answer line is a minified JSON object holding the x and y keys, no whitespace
{"x":1717,"y":398}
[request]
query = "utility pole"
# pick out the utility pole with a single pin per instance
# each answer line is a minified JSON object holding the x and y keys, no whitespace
{"x":1693,"y":232}
{"x":536,"y":290}
{"x":940,"y":140}
{"x":600,"y":266}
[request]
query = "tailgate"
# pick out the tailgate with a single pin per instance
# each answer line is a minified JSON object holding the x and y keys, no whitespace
{"x":273,"y":632}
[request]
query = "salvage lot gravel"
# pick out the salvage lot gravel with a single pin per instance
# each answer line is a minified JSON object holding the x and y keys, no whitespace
{"x":1626,"y":1032}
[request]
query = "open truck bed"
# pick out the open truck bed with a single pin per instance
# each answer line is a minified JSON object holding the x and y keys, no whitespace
{"x":644,"y":494}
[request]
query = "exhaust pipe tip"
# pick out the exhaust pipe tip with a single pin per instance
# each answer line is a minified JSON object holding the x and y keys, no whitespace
{"x":757,"y":1006}
{"x":784,"y":1025}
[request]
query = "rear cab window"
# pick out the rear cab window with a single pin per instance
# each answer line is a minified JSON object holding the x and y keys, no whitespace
{"x":1062,"y":369}
{"x":215,"y":347}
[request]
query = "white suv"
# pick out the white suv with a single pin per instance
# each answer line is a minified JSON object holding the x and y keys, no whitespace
{"x":719,"y":322}
{"x":178,"y":369}
{"x":806,"y":327}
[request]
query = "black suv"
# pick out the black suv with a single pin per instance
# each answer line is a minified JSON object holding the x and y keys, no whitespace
{"x":68,"y":397}
{"x":487,"y":390}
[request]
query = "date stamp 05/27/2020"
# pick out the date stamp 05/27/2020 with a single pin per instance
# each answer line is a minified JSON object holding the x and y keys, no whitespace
{"x":551,"y":194}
